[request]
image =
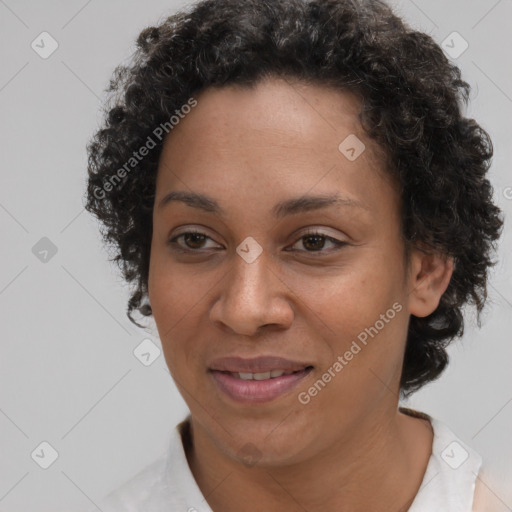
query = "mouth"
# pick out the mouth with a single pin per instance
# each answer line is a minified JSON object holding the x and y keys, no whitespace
{"x":258,"y":387}
{"x":272,"y":374}
{"x":257,"y":365}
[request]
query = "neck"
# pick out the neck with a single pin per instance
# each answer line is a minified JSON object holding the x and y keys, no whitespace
{"x":377,"y":466}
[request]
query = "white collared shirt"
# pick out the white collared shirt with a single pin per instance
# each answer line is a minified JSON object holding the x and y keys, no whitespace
{"x":168,"y":484}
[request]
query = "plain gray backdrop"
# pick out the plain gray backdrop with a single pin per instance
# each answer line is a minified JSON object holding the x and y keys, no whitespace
{"x":69,"y":376}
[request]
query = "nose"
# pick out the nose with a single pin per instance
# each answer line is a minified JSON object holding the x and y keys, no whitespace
{"x":252,"y":296}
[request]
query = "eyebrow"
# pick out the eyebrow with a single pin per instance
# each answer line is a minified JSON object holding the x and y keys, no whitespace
{"x":282,"y":209}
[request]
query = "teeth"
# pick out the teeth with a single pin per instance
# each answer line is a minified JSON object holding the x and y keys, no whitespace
{"x":245,"y":376}
{"x":262,"y":376}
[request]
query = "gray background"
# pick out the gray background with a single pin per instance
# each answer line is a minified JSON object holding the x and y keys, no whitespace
{"x":68,"y":372}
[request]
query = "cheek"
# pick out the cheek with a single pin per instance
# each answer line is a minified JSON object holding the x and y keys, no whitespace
{"x":172,"y":305}
{"x":348,"y":299}
{"x":172,"y":296}
{"x":178,"y":295}
{"x":359,"y":313}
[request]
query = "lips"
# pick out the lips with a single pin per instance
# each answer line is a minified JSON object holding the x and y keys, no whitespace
{"x":257,"y":380}
{"x":260,"y":376}
{"x":252,"y":392}
{"x":257,"y":365}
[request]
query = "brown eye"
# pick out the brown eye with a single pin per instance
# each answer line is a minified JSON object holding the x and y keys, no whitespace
{"x":315,"y":242}
{"x":193,"y":241}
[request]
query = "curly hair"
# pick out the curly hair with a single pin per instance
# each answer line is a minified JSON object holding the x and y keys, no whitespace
{"x":412,"y":97}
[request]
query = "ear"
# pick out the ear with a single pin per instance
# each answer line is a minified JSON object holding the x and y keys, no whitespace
{"x":429,"y":276}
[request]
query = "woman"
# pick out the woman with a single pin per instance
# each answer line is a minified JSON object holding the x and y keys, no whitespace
{"x":303,"y":209}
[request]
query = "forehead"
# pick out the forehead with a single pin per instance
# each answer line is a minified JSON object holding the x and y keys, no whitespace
{"x":275,"y":138}
{"x":274,"y":109}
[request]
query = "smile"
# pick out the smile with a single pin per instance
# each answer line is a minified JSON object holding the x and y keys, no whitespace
{"x":262,"y":375}
{"x":259,"y":387}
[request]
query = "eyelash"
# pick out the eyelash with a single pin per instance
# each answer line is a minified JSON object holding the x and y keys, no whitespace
{"x":337,"y":243}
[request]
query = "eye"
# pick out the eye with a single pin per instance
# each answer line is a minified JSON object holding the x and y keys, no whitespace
{"x":193,"y":240}
{"x":316,"y":241}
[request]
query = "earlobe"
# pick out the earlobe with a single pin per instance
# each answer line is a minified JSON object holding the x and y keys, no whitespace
{"x":429,"y":277}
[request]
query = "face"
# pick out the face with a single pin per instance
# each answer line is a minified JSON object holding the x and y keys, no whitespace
{"x":321,"y":284}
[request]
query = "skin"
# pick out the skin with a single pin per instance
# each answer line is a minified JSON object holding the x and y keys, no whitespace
{"x":349,"y":448}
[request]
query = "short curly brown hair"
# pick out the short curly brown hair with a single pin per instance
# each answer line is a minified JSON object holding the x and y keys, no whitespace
{"x":412,"y":101}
